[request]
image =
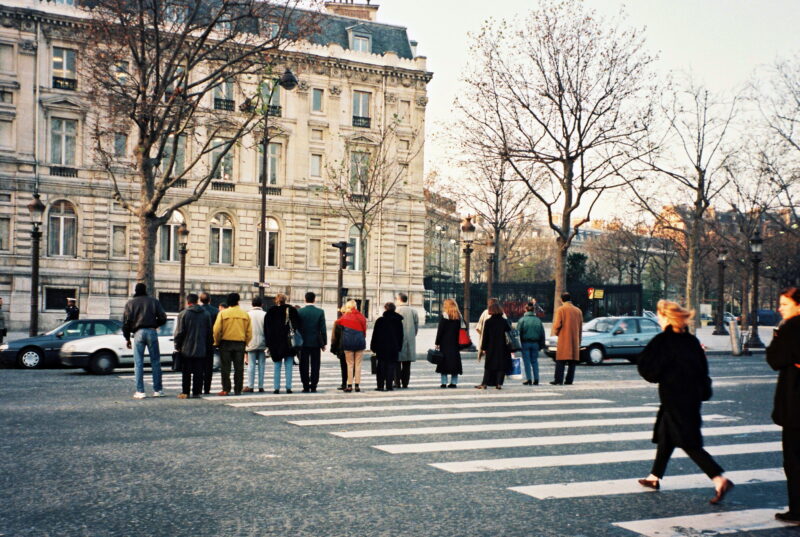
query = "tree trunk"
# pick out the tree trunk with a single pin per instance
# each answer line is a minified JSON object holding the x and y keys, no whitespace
{"x":692,"y":283}
{"x":363,"y":262}
{"x":146,"y":268}
{"x":498,"y":255}
{"x":560,"y":275}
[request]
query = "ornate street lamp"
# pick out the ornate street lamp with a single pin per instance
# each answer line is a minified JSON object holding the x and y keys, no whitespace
{"x":720,"y":329}
{"x":183,"y":240}
{"x":440,"y":231}
{"x":756,"y":244}
{"x":36,"y":209}
{"x":490,"y":249}
{"x":468,"y":237}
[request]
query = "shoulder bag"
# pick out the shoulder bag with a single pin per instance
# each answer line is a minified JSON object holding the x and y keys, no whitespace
{"x":464,"y":341}
{"x":295,"y":338}
{"x":512,"y":339}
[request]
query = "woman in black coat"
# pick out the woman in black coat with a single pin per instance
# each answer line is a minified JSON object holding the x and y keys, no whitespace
{"x":447,"y":343}
{"x":276,"y":333}
{"x":783,"y":355}
{"x":387,"y":340}
{"x":493,"y":345}
{"x":675,"y":360}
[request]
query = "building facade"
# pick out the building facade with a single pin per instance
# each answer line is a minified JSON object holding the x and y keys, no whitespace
{"x":353,"y":77}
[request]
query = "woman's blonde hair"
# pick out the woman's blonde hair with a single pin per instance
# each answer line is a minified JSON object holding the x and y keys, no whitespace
{"x":280,"y":299}
{"x":677,"y":316}
{"x":349,"y":306}
{"x":450,"y":309}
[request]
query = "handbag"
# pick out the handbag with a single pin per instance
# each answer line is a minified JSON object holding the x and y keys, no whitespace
{"x":295,"y":337}
{"x":435,"y":356}
{"x":373,"y":361}
{"x":464,"y":341}
{"x":177,"y":361}
{"x":512,"y":340}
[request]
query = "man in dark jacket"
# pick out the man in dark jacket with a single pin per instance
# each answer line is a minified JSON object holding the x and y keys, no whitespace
{"x":142,"y":316}
{"x":208,"y":363}
{"x":386,"y":343}
{"x":193,"y":340}
{"x":312,"y":328}
{"x":73,"y":313}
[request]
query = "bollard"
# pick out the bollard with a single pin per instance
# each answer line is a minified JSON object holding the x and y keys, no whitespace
{"x":736,"y":340}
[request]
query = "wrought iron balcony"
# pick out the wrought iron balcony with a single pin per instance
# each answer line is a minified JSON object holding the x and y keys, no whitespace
{"x":223,"y":104}
{"x":359,"y":198}
{"x":364,"y":122}
{"x":271,"y":190}
{"x":63,"y":171}
{"x":274,"y":110}
{"x":65,"y":83}
{"x":223,"y":186}
{"x":180,"y":183}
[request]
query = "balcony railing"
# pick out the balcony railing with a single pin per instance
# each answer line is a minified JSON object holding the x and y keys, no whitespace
{"x":65,"y":83}
{"x":63,"y":171}
{"x":364,"y":122}
{"x":274,"y":110}
{"x":359,"y":198}
{"x":224,"y":104}
{"x":271,"y":190}
{"x":180,"y":183}
{"x":223,"y":186}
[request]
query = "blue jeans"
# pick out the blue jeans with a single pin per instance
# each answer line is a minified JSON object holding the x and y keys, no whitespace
{"x":276,"y":376}
{"x":453,"y":379}
{"x":146,"y":337}
{"x":255,"y":360}
{"x":530,"y":358}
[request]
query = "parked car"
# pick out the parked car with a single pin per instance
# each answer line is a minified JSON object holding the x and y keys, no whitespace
{"x":612,"y":337}
{"x":650,"y":315}
{"x":41,"y":350}
{"x":103,"y":354}
{"x":768,"y":318}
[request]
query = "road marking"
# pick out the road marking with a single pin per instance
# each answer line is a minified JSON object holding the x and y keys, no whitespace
{"x":488,"y":427}
{"x":377,"y":398}
{"x":558,"y":440}
{"x":631,"y":486}
{"x":548,"y":461}
{"x":708,"y":524}
{"x":473,"y":415}
{"x":438,"y":406}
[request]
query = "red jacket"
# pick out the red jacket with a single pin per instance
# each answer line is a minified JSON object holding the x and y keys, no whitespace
{"x":353,"y":320}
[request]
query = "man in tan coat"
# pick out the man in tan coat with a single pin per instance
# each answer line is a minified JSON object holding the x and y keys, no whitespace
{"x":567,"y":326}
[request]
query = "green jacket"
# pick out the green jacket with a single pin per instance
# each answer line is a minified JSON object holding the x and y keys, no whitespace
{"x":313,"y":326}
{"x":531,"y":329}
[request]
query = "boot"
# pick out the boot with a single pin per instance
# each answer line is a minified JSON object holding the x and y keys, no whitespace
{"x":357,"y":388}
{"x":349,"y":388}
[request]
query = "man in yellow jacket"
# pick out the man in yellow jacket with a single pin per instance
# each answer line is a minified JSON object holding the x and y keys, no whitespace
{"x":232,"y":331}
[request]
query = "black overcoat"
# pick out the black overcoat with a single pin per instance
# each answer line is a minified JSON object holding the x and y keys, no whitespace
{"x":493,"y":343}
{"x":276,"y":331}
{"x":387,"y":336}
{"x":677,"y":362}
{"x":783,"y":353}
{"x":447,"y":340}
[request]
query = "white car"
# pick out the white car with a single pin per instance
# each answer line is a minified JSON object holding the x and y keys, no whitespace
{"x":102,"y":354}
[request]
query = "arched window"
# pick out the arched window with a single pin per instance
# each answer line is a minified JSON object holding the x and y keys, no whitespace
{"x":168,"y":237}
{"x":359,"y":259}
{"x":221,"y":247}
{"x":62,"y":233}
{"x":273,"y":236}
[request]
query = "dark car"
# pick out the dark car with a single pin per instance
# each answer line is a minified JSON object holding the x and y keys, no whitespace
{"x":768,"y":318}
{"x":41,"y":350}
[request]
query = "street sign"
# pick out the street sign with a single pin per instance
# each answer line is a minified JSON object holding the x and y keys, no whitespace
{"x":261,"y":284}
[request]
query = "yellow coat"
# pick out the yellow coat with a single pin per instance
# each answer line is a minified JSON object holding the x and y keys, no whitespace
{"x":567,"y":325}
{"x":232,"y":324}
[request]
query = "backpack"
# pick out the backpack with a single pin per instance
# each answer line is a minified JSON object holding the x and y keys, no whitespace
{"x":353,"y":340}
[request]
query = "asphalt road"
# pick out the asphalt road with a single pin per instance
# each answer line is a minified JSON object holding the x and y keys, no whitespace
{"x":82,"y":458}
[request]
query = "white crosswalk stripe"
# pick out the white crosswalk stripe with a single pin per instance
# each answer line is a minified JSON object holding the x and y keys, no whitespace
{"x":261,"y":401}
{"x":708,"y":524}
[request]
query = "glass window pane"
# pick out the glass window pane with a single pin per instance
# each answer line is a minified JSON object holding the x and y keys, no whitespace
{"x":5,"y":233}
{"x":70,"y":235}
{"x":54,"y":236}
{"x":276,"y":96}
{"x":164,"y":242}
{"x":272,"y":248}
{"x":274,"y":163}
{"x":214,"y":248}
{"x":227,"y":246}
{"x":120,"y":144}
{"x":69,"y":145}
{"x":316,"y":100}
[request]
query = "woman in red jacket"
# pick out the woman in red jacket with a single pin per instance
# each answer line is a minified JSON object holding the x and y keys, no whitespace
{"x":354,"y":341}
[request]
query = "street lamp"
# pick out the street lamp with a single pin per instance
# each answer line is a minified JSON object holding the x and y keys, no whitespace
{"x":288,"y":82}
{"x":183,"y":240}
{"x":490,"y":249}
{"x":468,"y":236}
{"x":440,"y":231}
{"x":36,"y":209}
{"x":720,"y":329}
{"x":756,"y":244}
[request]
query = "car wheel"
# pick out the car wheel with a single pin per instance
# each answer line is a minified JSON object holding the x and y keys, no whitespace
{"x":596,"y":355}
{"x":103,"y":363}
{"x":30,"y":358}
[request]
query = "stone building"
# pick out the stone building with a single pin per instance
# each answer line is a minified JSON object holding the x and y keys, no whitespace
{"x":352,"y":76}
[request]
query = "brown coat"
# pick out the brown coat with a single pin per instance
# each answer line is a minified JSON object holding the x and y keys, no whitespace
{"x":567,"y":325}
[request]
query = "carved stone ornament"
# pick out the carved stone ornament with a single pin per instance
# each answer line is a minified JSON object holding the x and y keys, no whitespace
{"x":8,"y":22}
{"x":319,"y":69}
{"x":391,"y":98}
{"x":336,"y":90}
{"x":27,"y":47}
{"x":364,"y":77}
{"x":422,"y":101}
{"x":406,"y":82}
{"x":303,"y":86}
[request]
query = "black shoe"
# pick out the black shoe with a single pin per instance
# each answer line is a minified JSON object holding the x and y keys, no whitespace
{"x":314,"y":389}
{"x":306,"y":390}
{"x":348,"y":389}
{"x":535,"y":382}
{"x":277,"y":391}
{"x":554,"y":383}
{"x":207,"y":392}
{"x":288,"y":391}
{"x":379,"y":389}
{"x":567,"y":384}
{"x":443,"y":386}
{"x":390,"y":389}
{"x":527,"y":383}
{"x":788,"y":516}
{"x":261,"y":390}
{"x":340,"y":388}
{"x":405,"y":386}
{"x":452,"y":385}
{"x":357,"y":388}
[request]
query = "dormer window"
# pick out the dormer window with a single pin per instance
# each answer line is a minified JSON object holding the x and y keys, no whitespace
{"x":361,"y":43}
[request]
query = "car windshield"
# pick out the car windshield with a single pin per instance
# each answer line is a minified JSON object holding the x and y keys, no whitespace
{"x":600,"y":324}
{"x":59,"y":328}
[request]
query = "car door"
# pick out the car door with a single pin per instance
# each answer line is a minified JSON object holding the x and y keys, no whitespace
{"x":648,"y":329}
{"x":165,"y":339}
{"x":626,"y":337}
{"x":70,"y":332}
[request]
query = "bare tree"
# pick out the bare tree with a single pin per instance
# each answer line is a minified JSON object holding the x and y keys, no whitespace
{"x":166,"y":71}
{"x":557,"y":96}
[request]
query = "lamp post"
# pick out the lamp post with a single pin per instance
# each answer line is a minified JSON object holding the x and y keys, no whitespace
{"x":468,"y":236}
{"x":753,"y":341}
{"x":183,"y":240}
{"x":288,"y":82}
{"x":490,"y":249}
{"x":36,"y":210}
{"x":439,"y":236}
{"x":720,"y":329}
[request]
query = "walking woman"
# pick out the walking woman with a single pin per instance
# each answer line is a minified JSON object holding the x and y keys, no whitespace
{"x":387,"y":340}
{"x":353,"y":342}
{"x":783,"y":355}
{"x":675,"y":360}
{"x":277,"y":322}
{"x":531,"y":332}
{"x":493,"y":345}
{"x":447,"y":342}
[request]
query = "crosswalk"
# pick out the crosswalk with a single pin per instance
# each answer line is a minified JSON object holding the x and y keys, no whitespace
{"x":527,"y":435}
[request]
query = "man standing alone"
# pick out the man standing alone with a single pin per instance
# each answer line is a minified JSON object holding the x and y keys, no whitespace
{"x":208,"y":363}
{"x":408,"y":353}
{"x":142,"y":316}
{"x":312,"y":328}
{"x":73,"y":313}
{"x":232,"y":331}
{"x":193,"y":339}
{"x":567,"y":326}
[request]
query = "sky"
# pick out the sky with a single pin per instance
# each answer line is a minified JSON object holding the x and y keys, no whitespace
{"x":721,"y":42}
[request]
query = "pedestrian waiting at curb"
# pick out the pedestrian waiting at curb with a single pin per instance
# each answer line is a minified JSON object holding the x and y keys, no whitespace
{"x":338,"y":351}
{"x":312,"y":328}
{"x":494,"y":348}
{"x":531,"y":333}
{"x":783,"y":355}
{"x":408,"y":353}
{"x":142,"y":317}
{"x":279,"y":320}
{"x":386,"y":343}
{"x":676,"y":361}
{"x":232,"y":331}
{"x":447,"y":342}
{"x":567,"y":327}
{"x":208,"y":365}
{"x":353,"y":342}
{"x":193,"y":339}
{"x":256,"y":347}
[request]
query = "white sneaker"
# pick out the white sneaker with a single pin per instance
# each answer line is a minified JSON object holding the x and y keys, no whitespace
{"x":158,"y":394}
{"x":139,"y":395}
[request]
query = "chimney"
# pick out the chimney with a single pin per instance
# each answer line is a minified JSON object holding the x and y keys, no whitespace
{"x":350,"y":8}
{"x":413,"y":48}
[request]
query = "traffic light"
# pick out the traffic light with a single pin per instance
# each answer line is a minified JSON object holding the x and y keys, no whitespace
{"x":349,"y":259}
